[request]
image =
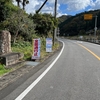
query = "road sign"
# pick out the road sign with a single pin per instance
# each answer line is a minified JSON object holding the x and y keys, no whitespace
{"x":48,"y":44}
{"x":88,"y":16}
{"x":36,"y":49}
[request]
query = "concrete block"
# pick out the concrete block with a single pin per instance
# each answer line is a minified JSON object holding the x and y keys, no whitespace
{"x":10,"y":58}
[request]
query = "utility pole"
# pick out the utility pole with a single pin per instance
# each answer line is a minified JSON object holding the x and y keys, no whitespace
{"x":55,"y":15}
{"x":95,"y":29}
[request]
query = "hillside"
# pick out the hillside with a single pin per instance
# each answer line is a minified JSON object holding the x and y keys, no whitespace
{"x":76,"y":25}
{"x":63,"y":18}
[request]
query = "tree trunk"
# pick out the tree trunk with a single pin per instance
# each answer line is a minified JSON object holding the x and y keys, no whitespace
{"x":23,"y":3}
{"x":15,"y":37}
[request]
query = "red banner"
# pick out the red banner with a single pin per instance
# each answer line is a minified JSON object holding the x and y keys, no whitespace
{"x":36,"y":49}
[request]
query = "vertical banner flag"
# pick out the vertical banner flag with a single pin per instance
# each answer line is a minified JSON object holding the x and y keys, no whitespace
{"x":48,"y":44}
{"x":36,"y":49}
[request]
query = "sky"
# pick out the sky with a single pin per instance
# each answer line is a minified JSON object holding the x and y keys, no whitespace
{"x":64,"y":7}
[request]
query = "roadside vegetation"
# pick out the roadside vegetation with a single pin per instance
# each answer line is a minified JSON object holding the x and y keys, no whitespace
{"x":3,"y":70}
{"x":25,"y":27}
{"x":26,"y":48}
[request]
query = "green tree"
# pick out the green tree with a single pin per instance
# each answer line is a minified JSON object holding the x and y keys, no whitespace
{"x":19,"y":24}
{"x":45,"y":23}
{"x":5,"y":9}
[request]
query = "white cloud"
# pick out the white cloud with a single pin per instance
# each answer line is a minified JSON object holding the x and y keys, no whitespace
{"x":35,"y":5}
{"x":72,"y":5}
{"x":96,"y":5}
{"x":60,"y":14}
{"x":32,"y":6}
{"x":77,"y":4}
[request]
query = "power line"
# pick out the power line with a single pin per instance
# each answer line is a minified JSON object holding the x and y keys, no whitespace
{"x":41,"y":6}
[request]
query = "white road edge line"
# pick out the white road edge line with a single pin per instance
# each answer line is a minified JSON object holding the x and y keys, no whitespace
{"x":28,"y":89}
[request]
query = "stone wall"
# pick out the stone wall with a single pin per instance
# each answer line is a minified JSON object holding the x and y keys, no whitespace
{"x":5,"y":42}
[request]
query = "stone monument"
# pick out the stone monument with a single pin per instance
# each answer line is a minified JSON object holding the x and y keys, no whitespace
{"x":7,"y":57}
{"x":5,"y":42}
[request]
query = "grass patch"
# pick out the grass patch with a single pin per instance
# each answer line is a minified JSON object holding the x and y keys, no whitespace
{"x":23,"y":47}
{"x":3,"y":70}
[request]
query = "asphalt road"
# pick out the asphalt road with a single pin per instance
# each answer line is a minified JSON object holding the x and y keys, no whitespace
{"x":74,"y":75}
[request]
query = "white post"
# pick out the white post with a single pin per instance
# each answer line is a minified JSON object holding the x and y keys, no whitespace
{"x":95,"y":29}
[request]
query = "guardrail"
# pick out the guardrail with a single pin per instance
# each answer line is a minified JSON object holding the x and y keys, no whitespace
{"x":96,"y":41}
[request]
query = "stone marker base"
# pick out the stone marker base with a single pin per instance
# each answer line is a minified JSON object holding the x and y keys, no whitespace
{"x":11,"y":58}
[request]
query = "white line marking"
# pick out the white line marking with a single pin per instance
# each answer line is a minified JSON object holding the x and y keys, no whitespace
{"x":28,"y":89}
{"x":79,"y":42}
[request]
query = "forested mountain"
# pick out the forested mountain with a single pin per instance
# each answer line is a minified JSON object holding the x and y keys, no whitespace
{"x":63,"y":18}
{"x":76,"y":25}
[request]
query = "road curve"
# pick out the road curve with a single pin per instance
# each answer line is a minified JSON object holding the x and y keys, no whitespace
{"x":74,"y":76}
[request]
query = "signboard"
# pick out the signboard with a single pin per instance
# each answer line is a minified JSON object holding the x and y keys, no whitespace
{"x":48,"y":44}
{"x":88,"y":16}
{"x":36,"y":49}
